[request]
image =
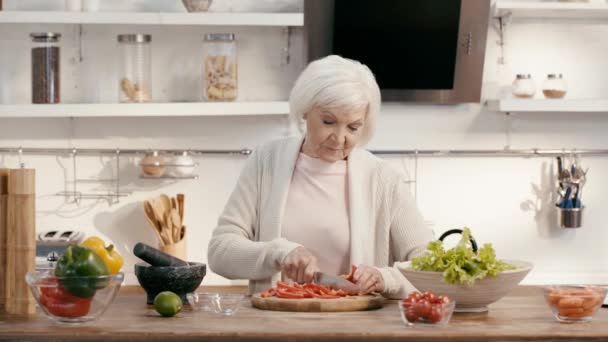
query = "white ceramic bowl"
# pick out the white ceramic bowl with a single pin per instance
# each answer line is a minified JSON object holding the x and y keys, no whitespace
{"x":197,"y":5}
{"x":468,"y":298}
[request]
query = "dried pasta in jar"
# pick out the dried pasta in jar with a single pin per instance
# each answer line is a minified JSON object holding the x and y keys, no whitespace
{"x":220,"y":67}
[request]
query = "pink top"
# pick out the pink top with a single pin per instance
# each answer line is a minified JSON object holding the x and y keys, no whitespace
{"x":316,"y":212}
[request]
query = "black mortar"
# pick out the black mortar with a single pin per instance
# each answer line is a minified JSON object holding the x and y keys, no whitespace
{"x":178,"y":279}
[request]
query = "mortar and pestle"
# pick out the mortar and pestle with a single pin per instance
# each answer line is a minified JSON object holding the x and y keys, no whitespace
{"x":166,"y":273}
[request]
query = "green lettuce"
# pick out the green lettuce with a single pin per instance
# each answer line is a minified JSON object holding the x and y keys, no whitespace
{"x":460,"y":265}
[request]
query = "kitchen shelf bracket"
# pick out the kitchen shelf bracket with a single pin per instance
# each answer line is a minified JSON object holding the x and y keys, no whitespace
{"x":501,"y":28}
{"x":286,"y":50}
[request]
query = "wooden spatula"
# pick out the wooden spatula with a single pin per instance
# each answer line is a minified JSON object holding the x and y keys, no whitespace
{"x":177,"y":225}
{"x":181,"y":198}
{"x":151,"y":217}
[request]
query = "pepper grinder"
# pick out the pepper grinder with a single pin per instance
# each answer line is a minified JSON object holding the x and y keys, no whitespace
{"x":3,"y":212}
{"x":21,"y":240}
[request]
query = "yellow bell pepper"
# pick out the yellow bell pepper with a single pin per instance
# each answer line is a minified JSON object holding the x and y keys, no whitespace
{"x":109,"y":255}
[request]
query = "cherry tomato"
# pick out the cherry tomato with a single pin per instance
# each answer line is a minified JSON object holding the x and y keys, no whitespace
{"x":423,"y":308}
{"x":430,"y":296}
{"x":436,"y":314}
{"x":409,"y":301}
{"x":415,"y":295}
{"x":411,"y":315}
{"x":443,"y":299}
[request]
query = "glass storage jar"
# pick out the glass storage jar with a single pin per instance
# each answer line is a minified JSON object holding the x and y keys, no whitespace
{"x":523,"y":86}
{"x":554,"y":87}
{"x":220,"y":67}
{"x":46,"y":80}
{"x":135,"y":81}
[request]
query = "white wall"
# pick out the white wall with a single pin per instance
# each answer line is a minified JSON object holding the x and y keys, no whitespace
{"x":506,"y":201}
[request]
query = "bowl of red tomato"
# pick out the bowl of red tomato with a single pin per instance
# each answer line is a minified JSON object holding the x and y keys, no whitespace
{"x":426,"y":309}
{"x":73,"y":299}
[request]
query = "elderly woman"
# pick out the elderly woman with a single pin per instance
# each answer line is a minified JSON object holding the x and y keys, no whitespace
{"x":319,"y":202}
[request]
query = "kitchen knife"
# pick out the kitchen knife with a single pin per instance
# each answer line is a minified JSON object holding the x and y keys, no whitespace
{"x":334,"y":282}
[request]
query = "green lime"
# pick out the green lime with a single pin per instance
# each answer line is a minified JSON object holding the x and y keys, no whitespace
{"x":167,"y":303}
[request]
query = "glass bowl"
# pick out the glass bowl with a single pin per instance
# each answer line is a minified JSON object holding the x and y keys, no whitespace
{"x":574,"y":303}
{"x":73,"y":299}
{"x":425,"y":313}
{"x":226,"y":304}
{"x":202,"y":301}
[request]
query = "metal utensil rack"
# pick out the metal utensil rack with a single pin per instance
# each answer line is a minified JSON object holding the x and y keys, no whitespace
{"x":113,"y":196}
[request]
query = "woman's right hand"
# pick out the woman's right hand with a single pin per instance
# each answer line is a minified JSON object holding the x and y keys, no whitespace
{"x":300,"y":265}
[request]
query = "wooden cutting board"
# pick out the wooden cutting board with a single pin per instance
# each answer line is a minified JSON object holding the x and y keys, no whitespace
{"x":354,"y":303}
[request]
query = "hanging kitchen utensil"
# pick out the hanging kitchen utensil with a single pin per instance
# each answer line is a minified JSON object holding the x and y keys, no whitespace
{"x":559,"y":171}
{"x":566,"y":201}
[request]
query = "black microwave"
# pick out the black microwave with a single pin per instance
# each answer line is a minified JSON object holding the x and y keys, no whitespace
{"x":419,"y":50}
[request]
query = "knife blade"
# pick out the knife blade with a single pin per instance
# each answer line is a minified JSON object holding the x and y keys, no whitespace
{"x":336,"y":283}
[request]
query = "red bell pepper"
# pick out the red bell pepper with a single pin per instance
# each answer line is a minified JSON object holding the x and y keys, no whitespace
{"x":60,"y":302}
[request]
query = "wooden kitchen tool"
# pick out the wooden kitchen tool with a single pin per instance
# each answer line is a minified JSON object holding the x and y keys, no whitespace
{"x":354,"y":303}
{"x":180,"y":205}
{"x":21,"y":240}
{"x":3,"y":214}
{"x":177,"y":225}
{"x":149,"y":213}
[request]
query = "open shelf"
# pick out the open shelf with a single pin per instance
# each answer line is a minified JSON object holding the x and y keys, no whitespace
{"x":548,"y":105}
{"x":561,"y":10}
{"x":153,"y":18}
{"x":143,"y":109}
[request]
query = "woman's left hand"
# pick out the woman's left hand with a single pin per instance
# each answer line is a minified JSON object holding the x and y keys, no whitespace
{"x":369,"y":279}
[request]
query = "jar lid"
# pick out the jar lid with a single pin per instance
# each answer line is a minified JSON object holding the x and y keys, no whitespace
{"x":134,"y":38}
{"x":214,"y":37}
{"x":45,"y":37}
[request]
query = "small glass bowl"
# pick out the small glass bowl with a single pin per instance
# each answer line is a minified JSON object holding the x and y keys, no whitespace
{"x":202,"y":301}
{"x":227,"y":304}
{"x":574,"y":303}
{"x":73,"y":300}
{"x":426,"y":313}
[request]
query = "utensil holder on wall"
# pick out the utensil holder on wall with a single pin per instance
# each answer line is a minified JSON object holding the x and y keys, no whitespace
{"x":570,"y":217}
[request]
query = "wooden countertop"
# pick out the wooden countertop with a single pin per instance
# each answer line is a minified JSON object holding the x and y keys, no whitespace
{"x":521,"y":316}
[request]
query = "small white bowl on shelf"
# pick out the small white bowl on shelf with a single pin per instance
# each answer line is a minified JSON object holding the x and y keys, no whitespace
{"x":197,"y":5}
{"x":182,"y":165}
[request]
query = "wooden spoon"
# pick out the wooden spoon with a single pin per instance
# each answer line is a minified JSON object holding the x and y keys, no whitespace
{"x":180,"y":206}
{"x":159,"y":211}
{"x":151,"y":217}
{"x":177,"y":224}
{"x":166,"y":203}
{"x":169,"y":227}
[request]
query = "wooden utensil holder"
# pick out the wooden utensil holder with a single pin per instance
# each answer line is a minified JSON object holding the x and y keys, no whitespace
{"x":177,"y":249}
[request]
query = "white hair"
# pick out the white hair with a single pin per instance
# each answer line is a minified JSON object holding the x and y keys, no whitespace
{"x":334,"y":82}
